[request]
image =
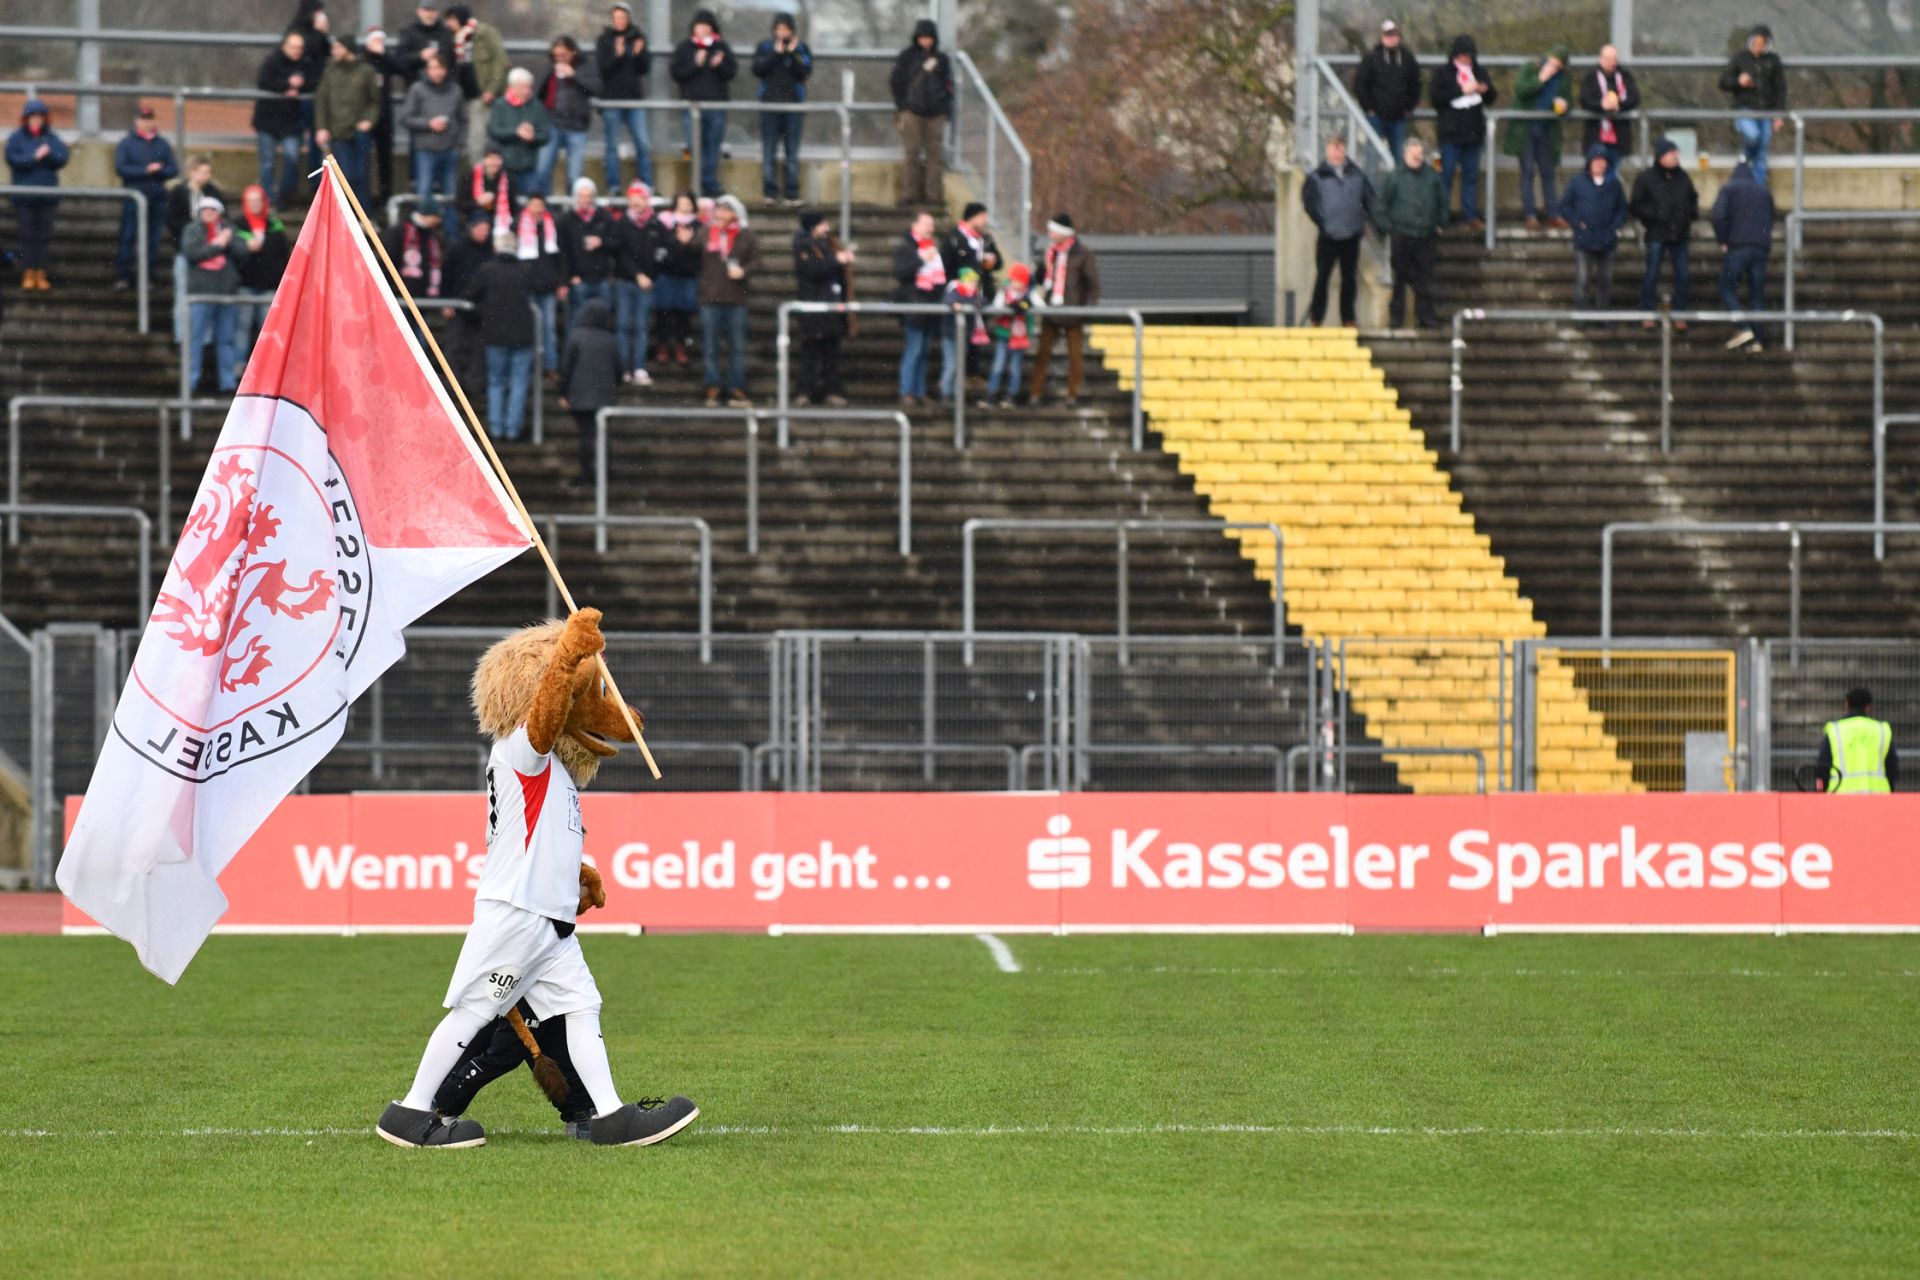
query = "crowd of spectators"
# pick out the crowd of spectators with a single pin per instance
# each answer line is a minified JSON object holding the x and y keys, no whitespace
{"x":1413,"y":204}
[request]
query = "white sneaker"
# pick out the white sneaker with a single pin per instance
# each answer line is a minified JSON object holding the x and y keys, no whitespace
{"x":642,"y":378}
{"x":1740,"y":339}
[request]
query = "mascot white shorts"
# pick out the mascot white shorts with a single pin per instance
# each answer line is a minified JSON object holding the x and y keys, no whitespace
{"x":512,"y":955}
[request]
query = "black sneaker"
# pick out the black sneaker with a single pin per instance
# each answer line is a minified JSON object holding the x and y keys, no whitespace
{"x":581,"y":1129}
{"x":405,"y":1127}
{"x":643,"y":1123}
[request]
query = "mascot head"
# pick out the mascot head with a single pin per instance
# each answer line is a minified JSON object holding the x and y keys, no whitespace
{"x":545,"y":678}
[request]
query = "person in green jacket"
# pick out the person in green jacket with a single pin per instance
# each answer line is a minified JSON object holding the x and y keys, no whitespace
{"x":345,"y":107}
{"x":1410,"y":211}
{"x":1541,"y":86}
{"x":519,"y":126}
{"x":483,"y":65}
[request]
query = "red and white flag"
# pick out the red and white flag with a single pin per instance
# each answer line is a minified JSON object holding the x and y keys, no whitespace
{"x":343,"y":500}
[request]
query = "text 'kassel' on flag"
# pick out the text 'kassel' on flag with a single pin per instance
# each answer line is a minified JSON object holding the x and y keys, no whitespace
{"x":343,"y":500}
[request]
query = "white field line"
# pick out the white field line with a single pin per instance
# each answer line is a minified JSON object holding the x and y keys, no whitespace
{"x":1071,"y":1130}
{"x":1414,"y":971}
{"x":1002,"y":953}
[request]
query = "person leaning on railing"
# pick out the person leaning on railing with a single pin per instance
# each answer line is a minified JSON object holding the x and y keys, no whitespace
{"x":1857,"y":756}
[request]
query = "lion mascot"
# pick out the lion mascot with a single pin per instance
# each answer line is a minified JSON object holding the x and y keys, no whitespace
{"x":538,"y":694}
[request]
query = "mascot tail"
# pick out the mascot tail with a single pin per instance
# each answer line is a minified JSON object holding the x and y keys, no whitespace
{"x":552,"y":1080}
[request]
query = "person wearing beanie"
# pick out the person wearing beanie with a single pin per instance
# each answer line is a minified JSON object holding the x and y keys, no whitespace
{"x":1755,"y":81}
{"x":1461,"y":93}
{"x":1338,"y":197}
{"x":590,"y":376}
{"x":922,"y":84}
{"x":277,"y":117}
{"x":1665,"y":205}
{"x":36,"y":155}
{"x":782,"y":64}
{"x":145,"y":164}
{"x":1070,"y":277}
{"x":1541,"y":86}
{"x":344,"y":110}
{"x":1743,"y":217}
{"x":434,"y":114}
{"x":637,"y":251}
{"x":1012,"y":337}
{"x":1595,"y":206}
{"x":731,"y":257}
{"x":821,"y":269}
{"x":214,"y":253}
{"x":704,"y":67}
{"x":971,"y":244}
{"x":624,"y":61}
{"x":1609,"y":95}
{"x":1387,"y":86}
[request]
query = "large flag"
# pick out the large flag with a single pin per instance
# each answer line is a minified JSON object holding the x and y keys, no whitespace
{"x":343,"y":500}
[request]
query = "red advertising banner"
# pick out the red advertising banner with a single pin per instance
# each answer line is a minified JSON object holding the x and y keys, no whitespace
{"x":1168,"y":861}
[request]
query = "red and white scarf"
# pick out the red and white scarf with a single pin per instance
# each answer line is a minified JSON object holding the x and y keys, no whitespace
{"x":639,"y":204}
{"x":1056,"y":277}
{"x":1609,"y":134}
{"x":1018,"y":336}
{"x":537,"y":236}
{"x":218,"y":261}
{"x":1464,"y":77}
{"x":502,"y":196}
{"x":933,"y":272}
{"x":721,"y":239}
{"x":420,"y":257}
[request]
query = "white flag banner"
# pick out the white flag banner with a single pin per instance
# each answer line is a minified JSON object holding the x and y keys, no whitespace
{"x":343,"y":500}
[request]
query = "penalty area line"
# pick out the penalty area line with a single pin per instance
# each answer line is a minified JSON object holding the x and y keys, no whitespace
{"x":1002,"y":953}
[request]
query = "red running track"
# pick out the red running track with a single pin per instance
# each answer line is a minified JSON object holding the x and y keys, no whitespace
{"x":29,"y":913}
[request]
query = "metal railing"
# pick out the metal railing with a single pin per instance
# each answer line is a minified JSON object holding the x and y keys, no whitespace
{"x":1162,"y":750}
{"x":1792,"y":530}
{"x":163,"y":407}
{"x":143,"y":265}
{"x":1305,"y":751}
{"x":143,"y":556}
{"x":999,"y":136}
{"x":961,"y":318}
{"x":600,"y":522}
{"x":748,"y":417}
{"x":179,"y":95}
{"x":1666,"y":320}
{"x":905,"y":467}
{"x":1120,"y":529}
{"x":1363,"y":143}
{"x":1796,"y":222}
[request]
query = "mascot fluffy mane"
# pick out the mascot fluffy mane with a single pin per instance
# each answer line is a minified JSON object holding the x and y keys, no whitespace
{"x":538,"y":677}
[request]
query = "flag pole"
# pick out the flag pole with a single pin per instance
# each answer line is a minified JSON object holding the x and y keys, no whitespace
{"x":486,"y":443}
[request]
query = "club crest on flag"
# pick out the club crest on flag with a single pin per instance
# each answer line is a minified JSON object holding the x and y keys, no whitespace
{"x":270,"y":579}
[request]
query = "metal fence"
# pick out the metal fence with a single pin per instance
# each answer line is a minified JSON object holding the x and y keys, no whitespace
{"x":142,"y":263}
{"x":163,"y":414}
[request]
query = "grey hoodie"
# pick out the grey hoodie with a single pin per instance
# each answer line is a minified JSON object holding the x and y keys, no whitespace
{"x":423,"y":102}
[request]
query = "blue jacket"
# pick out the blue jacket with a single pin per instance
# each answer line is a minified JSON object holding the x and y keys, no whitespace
{"x":27,"y":170}
{"x":1596,"y":210}
{"x":1743,"y":211}
{"x":134,"y":154}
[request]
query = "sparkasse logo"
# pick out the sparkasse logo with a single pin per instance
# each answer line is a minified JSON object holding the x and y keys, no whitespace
{"x":1058,"y":860}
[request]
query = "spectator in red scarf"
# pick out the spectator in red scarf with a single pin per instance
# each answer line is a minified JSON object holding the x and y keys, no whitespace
{"x":415,"y":246}
{"x":537,"y":245}
{"x":487,"y":192}
{"x":1071,"y":278}
{"x":919,"y":275}
{"x":637,"y":254}
{"x":587,"y":242}
{"x":703,"y":66}
{"x":1609,"y":95}
{"x":268,"y":249}
{"x":726,"y":275}
{"x":519,"y":125}
{"x":677,"y":283}
{"x":567,"y":93}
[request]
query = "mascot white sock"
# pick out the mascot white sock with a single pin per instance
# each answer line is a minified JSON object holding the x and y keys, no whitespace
{"x":446,"y":1047}
{"x":588,"y":1049}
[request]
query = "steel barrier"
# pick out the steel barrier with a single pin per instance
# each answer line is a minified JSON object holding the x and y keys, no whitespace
{"x":1120,"y":530}
{"x":1493,"y":651}
{"x":601,"y":521}
{"x":1666,"y":320}
{"x":1798,"y":219}
{"x":1791,"y":529}
{"x":1260,"y":750}
{"x":895,"y":416}
{"x":143,"y":266}
{"x":1136,"y":316}
{"x":143,"y":560}
{"x":1306,"y":751}
{"x":747,"y":416}
{"x":164,"y":407}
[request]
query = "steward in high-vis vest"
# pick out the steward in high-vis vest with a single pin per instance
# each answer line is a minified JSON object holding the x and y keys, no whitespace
{"x":1856,"y":754}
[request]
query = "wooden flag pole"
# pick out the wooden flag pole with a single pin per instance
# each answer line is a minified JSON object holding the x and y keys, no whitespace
{"x":486,"y":443}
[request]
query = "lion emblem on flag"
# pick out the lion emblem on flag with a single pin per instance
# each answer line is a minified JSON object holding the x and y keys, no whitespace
{"x":225,"y":571}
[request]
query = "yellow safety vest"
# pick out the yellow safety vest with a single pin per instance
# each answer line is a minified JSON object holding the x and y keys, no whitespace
{"x":1859,"y":745}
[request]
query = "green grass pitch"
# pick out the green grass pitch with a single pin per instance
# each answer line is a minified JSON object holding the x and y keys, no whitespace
{"x":1210,"y":1106}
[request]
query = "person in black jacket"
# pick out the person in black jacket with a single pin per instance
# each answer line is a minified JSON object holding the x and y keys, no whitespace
{"x":567,"y":92}
{"x":638,"y":250}
{"x":782,"y":64}
{"x":1461,"y":94}
{"x":590,"y":378}
{"x":1742,"y":217}
{"x":461,"y":267}
{"x":919,"y":276}
{"x":1665,"y":205}
{"x":704,"y":67}
{"x":501,"y":296}
{"x":676,"y":278}
{"x":922,"y":84}
{"x":1609,"y":94}
{"x":970,"y":244}
{"x":1387,"y":86}
{"x":624,"y":60}
{"x":820,"y":269}
{"x":1755,"y":81}
{"x":276,"y":120}
{"x":406,"y":55}
{"x":587,"y":242}
{"x":268,"y":250}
